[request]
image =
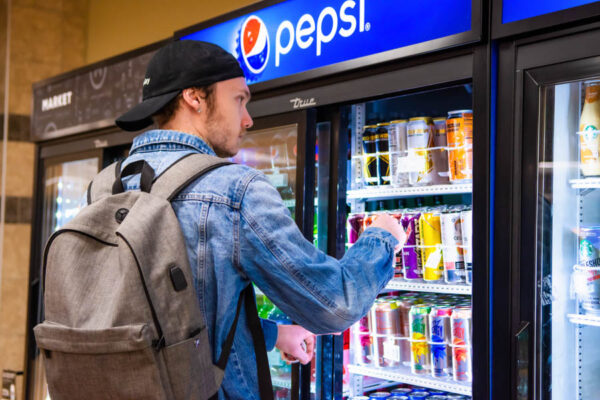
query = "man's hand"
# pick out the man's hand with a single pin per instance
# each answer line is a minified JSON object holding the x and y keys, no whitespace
{"x":295,"y":343}
{"x":390,"y":224}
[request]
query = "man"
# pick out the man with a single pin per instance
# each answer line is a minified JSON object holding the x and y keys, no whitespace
{"x":235,"y":224}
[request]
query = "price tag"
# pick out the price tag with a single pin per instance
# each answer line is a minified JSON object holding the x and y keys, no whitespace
{"x":434,"y":259}
{"x":412,"y":163}
{"x":391,"y":351}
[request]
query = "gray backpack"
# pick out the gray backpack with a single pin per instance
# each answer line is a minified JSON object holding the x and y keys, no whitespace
{"x":122,"y":319}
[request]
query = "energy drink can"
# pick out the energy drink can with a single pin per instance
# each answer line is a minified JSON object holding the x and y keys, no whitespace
{"x":461,"y":326}
{"x":355,"y":227}
{"x":431,"y":246}
{"x":401,"y":391}
{"x":439,"y":321}
{"x":382,"y":146}
{"x":461,"y":363}
{"x":419,"y":139}
{"x":466,"y":226}
{"x":379,"y":395}
{"x":398,"y":271}
{"x":420,"y":395}
{"x":371,"y":176}
{"x":411,"y":256}
{"x":440,"y":152}
{"x":459,"y":131}
{"x":385,"y":318}
{"x":452,"y":242}
{"x":419,"y":334}
{"x":398,"y":152}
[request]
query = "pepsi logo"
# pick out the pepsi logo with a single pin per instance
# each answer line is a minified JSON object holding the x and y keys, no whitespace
{"x":254,"y":43}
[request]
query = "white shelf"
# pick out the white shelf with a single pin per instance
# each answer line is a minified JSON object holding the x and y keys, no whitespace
{"x":403,"y":375}
{"x":421,"y":286}
{"x":382,"y":193}
{"x":587,"y":183}
{"x":582,"y":319}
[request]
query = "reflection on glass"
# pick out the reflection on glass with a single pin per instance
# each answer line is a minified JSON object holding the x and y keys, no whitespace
{"x":273,"y":151}
{"x":569,"y":242}
{"x":65,"y":187}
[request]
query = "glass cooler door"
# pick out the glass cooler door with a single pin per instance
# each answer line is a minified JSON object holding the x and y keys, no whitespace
{"x":566,"y":306}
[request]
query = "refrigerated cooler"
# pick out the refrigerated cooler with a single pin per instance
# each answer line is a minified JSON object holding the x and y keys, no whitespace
{"x":547,"y":275}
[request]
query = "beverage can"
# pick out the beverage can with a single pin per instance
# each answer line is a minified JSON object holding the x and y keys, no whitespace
{"x":355,"y":227}
{"x":452,"y":246}
{"x":360,"y":398}
{"x":421,"y":395}
{"x":398,"y":152}
{"x":436,"y":397}
{"x":382,"y":145}
{"x":440,"y":173}
{"x":586,"y":284}
{"x":589,"y":246}
{"x":459,"y":133}
{"x":379,"y":395}
{"x":419,"y":139}
{"x":398,"y":397}
{"x":439,"y":321}
{"x":431,"y":246}
{"x":398,"y":271}
{"x":401,"y":391}
{"x":371,"y":173}
{"x":589,"y":130}
{"x":461,"y":363}
{"x":404,"y":305}
{"x":385,"y":323}
{"x":461,"y":326}
{"x":419,"y":334}
{"x":411,"y":256}
{"x":466,"y":227}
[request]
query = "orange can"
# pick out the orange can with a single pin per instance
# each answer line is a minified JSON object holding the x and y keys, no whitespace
{"x":459,"y":132}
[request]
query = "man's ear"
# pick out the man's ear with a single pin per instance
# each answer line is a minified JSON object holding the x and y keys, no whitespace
{"x":193,"y":99}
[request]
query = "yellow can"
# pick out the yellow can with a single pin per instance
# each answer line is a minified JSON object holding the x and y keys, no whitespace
{"x":431,"y":246}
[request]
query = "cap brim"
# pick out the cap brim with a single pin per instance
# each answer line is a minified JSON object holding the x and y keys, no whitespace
{"x":140,"y":116}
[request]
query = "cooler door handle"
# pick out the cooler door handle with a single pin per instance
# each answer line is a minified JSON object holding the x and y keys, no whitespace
{"x":522,"y":370}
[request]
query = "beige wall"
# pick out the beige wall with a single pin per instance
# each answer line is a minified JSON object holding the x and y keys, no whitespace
{"x":117,"y":26}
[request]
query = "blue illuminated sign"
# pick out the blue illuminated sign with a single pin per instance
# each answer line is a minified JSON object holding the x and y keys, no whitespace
{"x":516,"y":10}
{"x":300,"y":35}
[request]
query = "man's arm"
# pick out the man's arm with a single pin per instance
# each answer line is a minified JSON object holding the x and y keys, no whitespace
{"x":317,"y":291}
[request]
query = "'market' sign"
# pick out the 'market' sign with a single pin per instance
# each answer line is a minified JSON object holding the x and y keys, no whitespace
{"x":301,"y":35}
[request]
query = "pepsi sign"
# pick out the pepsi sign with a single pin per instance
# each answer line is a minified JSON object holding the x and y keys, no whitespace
{"x":296,"y":36}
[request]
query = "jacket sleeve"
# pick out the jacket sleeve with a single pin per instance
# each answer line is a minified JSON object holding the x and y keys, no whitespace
{"x":315,"y":290}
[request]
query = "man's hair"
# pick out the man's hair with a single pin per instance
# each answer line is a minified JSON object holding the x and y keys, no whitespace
{"x":165,"y":114}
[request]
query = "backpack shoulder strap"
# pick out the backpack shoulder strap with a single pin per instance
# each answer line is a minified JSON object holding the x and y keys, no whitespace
{"x":183,"y":172}
{"x":101,"y":185}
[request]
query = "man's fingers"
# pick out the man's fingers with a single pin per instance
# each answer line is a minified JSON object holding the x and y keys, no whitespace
{"x":310,"y":344}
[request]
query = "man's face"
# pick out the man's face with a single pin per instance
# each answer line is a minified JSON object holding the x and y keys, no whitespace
{"x":228,"y":119}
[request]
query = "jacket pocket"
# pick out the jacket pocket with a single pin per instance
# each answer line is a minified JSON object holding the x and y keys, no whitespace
{"x":190,"y":368}
{"x":112,"y":363}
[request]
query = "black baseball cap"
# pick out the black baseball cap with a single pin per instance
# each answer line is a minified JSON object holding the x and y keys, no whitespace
{"x":178,"y":66}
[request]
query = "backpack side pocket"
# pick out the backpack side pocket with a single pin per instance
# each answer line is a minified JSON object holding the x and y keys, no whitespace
{"x":111,"y":363}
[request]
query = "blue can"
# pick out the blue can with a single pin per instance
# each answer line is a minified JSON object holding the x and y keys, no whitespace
{"x":379,"y":395}
{"x":439,"y":360}
{"x":398,"y":398}
{"x":401,"y":391}
{"x":418,"y":395}
{"x":433,"y":392}
{"x":437,"y":397}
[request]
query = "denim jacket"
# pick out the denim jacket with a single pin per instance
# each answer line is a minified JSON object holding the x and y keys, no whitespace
{"x":238,"y":230}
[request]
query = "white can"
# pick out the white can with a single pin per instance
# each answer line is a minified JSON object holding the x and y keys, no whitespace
{"x":466,"y":227}
{"x":419,"y":139}
{"x":398,"y":152}
{"x":452,"y":242}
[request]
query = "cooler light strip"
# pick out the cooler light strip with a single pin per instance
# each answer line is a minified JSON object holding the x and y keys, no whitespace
{"x":390,"y":193}
{"x":584,"y":319}
{"x":397,"y":284}
{"x":418,"y":380}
